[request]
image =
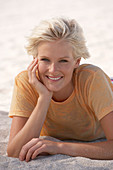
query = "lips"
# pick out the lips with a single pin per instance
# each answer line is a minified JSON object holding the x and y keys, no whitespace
{"x":54,"y":78}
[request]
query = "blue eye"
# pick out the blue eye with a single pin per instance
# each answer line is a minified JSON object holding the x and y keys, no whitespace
{"x":44,"y":59}
{"x":63,"y":61}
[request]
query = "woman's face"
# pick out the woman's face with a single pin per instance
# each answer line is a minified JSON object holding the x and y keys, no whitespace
{"x":56,"y":65}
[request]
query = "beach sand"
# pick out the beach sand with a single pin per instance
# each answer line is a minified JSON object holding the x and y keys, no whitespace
{"x":17,"y":18}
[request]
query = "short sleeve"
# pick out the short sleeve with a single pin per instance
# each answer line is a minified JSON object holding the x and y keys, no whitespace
{"x":24,"y":97}
{"x":100,"y":97}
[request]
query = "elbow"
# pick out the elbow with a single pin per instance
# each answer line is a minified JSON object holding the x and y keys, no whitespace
{"x":12,"y":152}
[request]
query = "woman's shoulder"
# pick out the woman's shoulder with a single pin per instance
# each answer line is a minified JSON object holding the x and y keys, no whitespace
{"x":22,"y":75}
{"x":88,"y":68}
{"x":85,"y":73}
{"x":22,"y":79}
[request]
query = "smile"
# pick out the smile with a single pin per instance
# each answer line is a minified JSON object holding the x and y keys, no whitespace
{"x":54,"y":78}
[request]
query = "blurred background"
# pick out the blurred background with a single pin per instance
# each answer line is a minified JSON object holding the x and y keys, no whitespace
{"x":18,"y":18}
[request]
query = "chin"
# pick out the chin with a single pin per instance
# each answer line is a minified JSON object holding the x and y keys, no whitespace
{"x":53,"y":89}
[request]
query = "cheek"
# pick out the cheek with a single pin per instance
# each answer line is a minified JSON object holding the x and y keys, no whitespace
{"x":68,"y":69}
{"x":41,"y":67}
{"x":69,"y":73}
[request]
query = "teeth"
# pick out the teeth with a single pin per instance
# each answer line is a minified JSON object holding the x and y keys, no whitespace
{"x":54,"y":78}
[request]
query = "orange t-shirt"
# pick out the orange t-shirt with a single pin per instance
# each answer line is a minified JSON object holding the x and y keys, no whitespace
{"x":77,"y":117}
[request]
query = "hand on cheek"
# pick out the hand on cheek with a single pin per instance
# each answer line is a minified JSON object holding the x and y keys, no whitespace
{"x":33,"y":71}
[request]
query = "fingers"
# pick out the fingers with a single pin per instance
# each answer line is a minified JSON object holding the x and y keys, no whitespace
{"x":26,"y":148}
{"x":47,"y":148}
{"x":32,"y":150}
{"x":32,"y":71}
{"x":39,"y":150}
{"x":32,"y":64}
{"x":37,"y":147}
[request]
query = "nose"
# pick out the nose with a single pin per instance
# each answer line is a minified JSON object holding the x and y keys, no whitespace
{"x":53,"y":68}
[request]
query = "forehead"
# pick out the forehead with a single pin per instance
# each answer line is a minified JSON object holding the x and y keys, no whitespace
{"x":55,"y":47}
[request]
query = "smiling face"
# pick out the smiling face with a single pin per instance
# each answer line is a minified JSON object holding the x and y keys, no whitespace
{"x":56,"y":66}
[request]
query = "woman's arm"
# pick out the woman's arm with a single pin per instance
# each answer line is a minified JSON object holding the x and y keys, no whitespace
{"x":98,"y":150}
{"x":26,"y":129}
{"x":30,"y":130}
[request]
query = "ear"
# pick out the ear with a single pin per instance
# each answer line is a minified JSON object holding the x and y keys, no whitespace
{"x":77,"y":62}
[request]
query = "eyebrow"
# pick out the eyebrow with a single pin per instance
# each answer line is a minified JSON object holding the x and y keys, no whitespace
{"x":65,"y":57}
{"x":59,"y":58}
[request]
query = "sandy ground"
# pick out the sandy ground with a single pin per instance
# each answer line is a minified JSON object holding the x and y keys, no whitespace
{"x":17,"y":18}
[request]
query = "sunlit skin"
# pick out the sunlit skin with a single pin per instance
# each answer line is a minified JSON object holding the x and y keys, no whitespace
{"x":56,"y":65}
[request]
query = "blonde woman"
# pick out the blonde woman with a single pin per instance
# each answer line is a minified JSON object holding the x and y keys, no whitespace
{"x":60,"y":98}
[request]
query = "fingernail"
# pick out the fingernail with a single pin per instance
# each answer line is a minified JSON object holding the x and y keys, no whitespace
{"x":20,"y":159}
{"x":36,"y":59}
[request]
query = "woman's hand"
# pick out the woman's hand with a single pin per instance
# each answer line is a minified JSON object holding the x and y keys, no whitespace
{"x":37,"y":147}
{"x":33,"y":80}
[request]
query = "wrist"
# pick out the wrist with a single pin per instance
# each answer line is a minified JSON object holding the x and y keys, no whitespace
{"x":45,"y":97}
{"x":60,"y":148}
{"x":67,"y":148}
{"x":43,"y":100}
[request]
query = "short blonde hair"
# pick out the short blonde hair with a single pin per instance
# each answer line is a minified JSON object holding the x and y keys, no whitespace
{"x":58,"y":29}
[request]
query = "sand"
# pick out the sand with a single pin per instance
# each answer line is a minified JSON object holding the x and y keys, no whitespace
{"x":17,"y":18}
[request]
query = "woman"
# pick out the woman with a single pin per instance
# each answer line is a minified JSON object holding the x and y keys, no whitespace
{"x":58,"y":97}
